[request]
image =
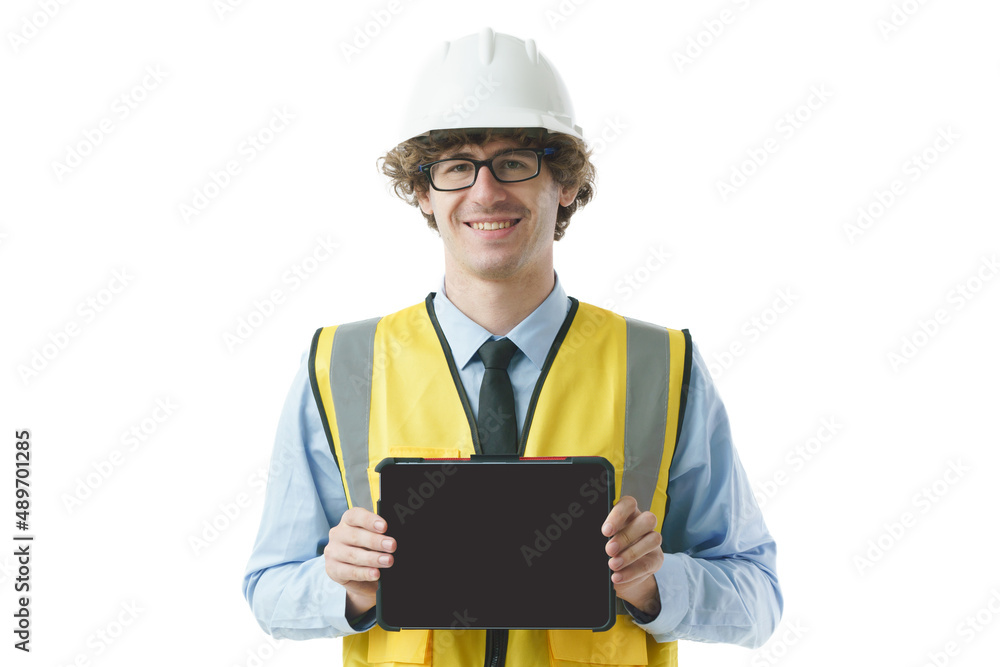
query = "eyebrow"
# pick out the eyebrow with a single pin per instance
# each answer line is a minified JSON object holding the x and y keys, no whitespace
{"x":469,"y":156}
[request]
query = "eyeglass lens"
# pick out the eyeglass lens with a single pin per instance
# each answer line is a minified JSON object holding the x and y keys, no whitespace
{"x":507,"y":167}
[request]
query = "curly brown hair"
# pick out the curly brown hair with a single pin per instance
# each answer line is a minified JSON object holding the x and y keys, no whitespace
{"x":570,"y":164}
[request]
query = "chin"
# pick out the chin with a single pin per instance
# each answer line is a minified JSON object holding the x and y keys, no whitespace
{"x":502,"y":271}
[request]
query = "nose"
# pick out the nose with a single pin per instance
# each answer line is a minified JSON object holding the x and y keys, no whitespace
{"x":487,"y":189}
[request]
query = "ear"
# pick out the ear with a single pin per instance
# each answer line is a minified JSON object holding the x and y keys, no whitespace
{"x":567,"y":195}
{"x":424,"y":199}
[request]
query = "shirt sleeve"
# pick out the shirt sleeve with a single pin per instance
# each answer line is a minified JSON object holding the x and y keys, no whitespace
{"x":718,"y":581}
{"x":285,"y":582}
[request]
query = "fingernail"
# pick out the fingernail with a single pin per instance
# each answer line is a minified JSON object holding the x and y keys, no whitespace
{"x":386,"y":544}
{"x":615,"y":562}
{"x":606,"y":529}
{"x":380,"y":525}
{"x":384,"y":560}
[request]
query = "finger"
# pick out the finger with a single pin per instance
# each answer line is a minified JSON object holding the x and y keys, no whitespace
{"x":339,"y":567}
{"x":634,"y":530}
{"x":362,"y":557}
{"x":344,"y":574}
{"x":643,"y":567}
{"x":374,"y":541}
{"x":361,"y":537}
{"x":359,"y":517}
{"x":649,"y":542}
{"x":619,"y":515}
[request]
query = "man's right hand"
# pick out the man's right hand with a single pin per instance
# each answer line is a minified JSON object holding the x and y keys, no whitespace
{"x":357,"y":549}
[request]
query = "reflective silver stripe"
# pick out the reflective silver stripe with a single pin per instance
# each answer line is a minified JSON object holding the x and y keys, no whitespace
{"x":351,"y":387}
{"x":646,"y":380}
{"x":647,"y":377}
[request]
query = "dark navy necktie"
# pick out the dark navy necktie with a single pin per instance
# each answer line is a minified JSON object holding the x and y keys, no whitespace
{"x":497,"y":423}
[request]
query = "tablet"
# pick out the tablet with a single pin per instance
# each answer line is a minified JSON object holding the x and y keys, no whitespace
{"x":496,"y":542}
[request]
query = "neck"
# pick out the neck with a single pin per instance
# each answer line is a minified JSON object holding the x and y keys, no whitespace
{"x":499,"y":305}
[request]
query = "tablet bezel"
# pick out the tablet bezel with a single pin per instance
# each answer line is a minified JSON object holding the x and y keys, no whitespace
{"x":609,"y":497}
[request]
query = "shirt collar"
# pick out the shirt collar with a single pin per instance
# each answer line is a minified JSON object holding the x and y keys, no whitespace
{"x":533,"y":335}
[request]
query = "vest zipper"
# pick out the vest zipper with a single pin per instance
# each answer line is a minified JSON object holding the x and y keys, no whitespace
{"x":496,"y":648}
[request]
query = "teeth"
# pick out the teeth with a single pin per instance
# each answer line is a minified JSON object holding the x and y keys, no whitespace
{"x":490,"y":225}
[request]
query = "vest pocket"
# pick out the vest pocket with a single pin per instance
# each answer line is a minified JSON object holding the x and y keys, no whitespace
{"x":408,"y":647}
{"x":623,"y":644}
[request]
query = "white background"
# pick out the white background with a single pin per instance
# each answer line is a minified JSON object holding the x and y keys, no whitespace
{"x":668,"y":133}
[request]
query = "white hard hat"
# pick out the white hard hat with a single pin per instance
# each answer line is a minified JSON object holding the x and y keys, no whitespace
{"x":489,"y":80}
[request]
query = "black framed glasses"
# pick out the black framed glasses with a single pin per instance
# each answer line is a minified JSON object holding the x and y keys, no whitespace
{"x":513,"y":166}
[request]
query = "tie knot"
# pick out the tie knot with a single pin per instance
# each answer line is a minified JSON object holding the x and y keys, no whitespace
{"x":497,"y":353}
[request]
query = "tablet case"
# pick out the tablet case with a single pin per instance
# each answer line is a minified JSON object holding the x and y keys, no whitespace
{"x":496,"y":542}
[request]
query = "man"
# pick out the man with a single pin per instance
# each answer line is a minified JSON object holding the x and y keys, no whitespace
{"x":499,"y":180}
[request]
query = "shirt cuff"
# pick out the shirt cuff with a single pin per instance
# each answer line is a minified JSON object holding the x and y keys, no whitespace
{"x":640,"y":616}
{"x":364,"y":622}
{"x":672,"y":585}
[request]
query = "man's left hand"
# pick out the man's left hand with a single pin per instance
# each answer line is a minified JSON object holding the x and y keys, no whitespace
{"x":634,"y":547}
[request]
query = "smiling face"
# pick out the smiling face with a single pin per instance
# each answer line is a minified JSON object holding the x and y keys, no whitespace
{"x":497,"y":231}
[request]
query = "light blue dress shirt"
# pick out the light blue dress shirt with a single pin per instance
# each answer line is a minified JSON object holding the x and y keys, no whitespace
{"x":533,"y":337}
{"x":718,"y":580}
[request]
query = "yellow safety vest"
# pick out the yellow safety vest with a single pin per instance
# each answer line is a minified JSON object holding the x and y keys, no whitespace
{"x":611,"y":386}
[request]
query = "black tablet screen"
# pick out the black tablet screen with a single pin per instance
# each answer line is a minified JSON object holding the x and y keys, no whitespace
{"x":494,"y":545}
